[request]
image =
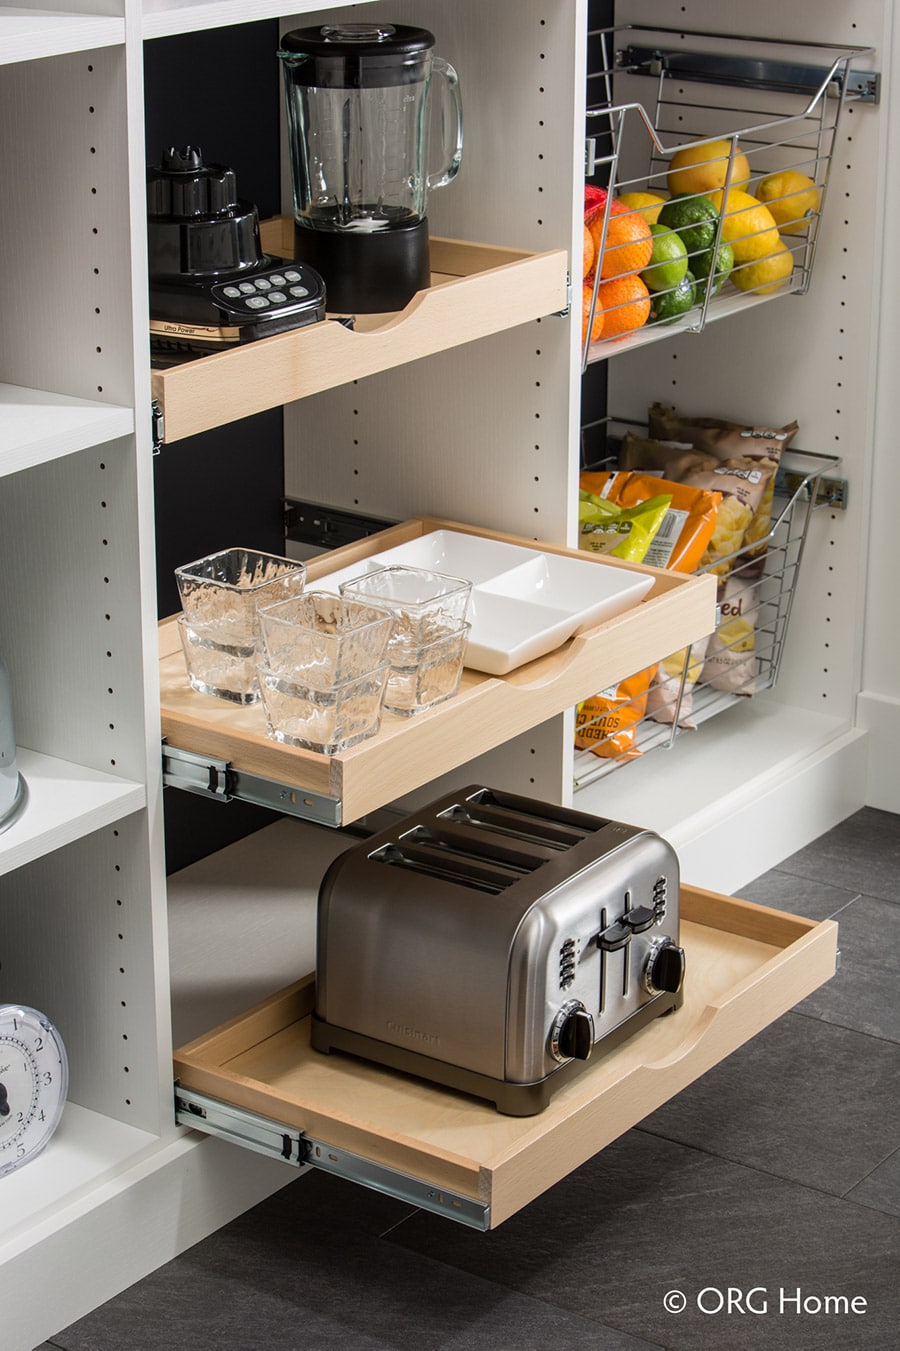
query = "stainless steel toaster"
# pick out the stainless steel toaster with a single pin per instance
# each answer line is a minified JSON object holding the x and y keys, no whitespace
{"x":496,"y":944}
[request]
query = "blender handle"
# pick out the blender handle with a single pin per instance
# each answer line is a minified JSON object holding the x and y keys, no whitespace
{"x":451,"y":123}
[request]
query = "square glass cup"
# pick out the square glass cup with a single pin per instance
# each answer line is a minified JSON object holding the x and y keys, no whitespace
{"x":226,"y":669}
{"x":322,"y":639}
{"x":423,"y":603}
{"x":423,"y":675}
{"x":324,"y":720}
{"x":222,"y":592}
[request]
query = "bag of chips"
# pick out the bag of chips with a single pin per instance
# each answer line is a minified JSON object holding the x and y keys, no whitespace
{"x":623,"y":532}
{"x":730,"y":662}
{"x":666,"y":685}
{"x":743,"y":483}
{"x":729,"y":442}
{"x":605,"y":724}
{"x":681,"y":540}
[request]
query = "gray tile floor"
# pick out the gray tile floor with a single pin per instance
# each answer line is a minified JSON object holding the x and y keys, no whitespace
{"x":776,"y":1176}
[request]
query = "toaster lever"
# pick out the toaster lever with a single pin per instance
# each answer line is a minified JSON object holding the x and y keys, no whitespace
{"x":638,"y":919}
{"x":614,"y":937}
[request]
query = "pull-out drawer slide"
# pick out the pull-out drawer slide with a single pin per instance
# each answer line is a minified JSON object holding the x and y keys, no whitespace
{"x":242,"y":1127}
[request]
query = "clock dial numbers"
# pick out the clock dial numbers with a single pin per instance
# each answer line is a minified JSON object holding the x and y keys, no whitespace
{"x":33,"y":1084}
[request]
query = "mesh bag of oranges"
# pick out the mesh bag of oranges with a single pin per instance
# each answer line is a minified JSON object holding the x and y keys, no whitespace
{"x":622,"y":247}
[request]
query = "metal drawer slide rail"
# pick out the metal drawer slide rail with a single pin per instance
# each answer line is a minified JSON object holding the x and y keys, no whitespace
{"x":278,"y":1141}
{"x":218,"y":779}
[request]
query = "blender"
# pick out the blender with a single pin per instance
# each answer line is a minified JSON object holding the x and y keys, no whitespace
{"x":358,"y":100}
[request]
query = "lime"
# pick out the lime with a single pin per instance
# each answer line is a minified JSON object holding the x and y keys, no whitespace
{"x":668,"y":261}
{"x":668,"y":305}
{"x":695,"y":218}
{"x":712,"y":272}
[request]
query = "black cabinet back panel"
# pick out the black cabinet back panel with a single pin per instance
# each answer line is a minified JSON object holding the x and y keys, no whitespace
{"x":218,"y":90}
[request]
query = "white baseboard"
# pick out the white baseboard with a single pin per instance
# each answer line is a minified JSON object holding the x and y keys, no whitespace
{"x":880,"y":716}
{"x":176,"y":1195}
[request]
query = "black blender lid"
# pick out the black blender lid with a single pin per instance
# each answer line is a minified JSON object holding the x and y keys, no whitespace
{"x":356,"y":55}
{"x":358,"y":40}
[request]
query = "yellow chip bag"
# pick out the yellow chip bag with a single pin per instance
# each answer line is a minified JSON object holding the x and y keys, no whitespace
{"x":623,"y":532}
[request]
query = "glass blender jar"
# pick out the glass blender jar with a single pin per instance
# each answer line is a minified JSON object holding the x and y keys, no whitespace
{"x":358,"y":113}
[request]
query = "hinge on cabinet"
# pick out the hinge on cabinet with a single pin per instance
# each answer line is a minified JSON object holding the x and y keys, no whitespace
{"x":276,"y":1140}
{"x":328,"y":527}
{"x":218,"y":779}
{"x":157,"y":425}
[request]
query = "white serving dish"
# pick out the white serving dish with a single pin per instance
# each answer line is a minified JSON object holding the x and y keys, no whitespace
{"x":524,"y":603}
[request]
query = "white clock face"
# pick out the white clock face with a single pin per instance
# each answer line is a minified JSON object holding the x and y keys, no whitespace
{"x":34,"y":1078}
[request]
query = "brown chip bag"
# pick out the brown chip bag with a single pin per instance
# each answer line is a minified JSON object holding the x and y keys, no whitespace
{"x":662,"y":698}
{"x":719,"y":436}
{"x":728,"y":440}
{"x":730,"y":663}
{"x":669,"y":459}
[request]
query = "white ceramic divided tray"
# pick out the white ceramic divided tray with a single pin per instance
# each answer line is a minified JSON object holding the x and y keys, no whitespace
{"x":524,"y":603}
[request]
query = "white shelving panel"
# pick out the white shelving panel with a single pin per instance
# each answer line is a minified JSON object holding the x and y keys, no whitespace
{"x":165,"y":18}
{"x":87,"y":1150}
{"x":36,"y":425}
{"x":64,"y":802}
{"x":34,"y":34}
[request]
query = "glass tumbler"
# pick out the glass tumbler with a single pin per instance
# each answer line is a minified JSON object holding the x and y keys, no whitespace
{"x":424,"y":604}
{"x":324,"y":639}
{"x":222,"y":592}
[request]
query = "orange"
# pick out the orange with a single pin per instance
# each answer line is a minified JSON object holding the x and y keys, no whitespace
{"x":629,"y":243}
{"x":626,"y":305}
{"x":703,"y":167}
{"x":597,"y":327}
{"x":588,"y":258}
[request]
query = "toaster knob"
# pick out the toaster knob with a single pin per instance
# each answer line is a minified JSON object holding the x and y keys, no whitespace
{"x":665,"y":968}
{"x":572,"y":1033}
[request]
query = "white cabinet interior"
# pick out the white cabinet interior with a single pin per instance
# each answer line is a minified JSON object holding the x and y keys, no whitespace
{"x":484,"y":431}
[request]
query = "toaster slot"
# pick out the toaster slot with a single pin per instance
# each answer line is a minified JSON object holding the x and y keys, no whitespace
{"x":523,"y":819}
{"x":470,"y":845}
{"x":444,"y":866}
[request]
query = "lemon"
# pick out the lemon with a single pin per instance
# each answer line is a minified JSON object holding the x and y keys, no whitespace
{"x":668,"y":261}
{"x":703,"y":167}
{"x":766,"y":274}
{"x":792,"y":198}
{"x":747,"y":225}
{"x":648,"y":204}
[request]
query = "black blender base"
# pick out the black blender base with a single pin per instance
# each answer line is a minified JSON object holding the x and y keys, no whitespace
{"x":368,"y":273}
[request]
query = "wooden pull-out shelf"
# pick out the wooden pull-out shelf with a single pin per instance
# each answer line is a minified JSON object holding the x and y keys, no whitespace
{"x":488,"y":710}
{"x":257,"y":1079}
{"x":476,"y":290}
